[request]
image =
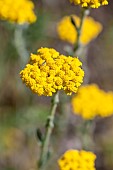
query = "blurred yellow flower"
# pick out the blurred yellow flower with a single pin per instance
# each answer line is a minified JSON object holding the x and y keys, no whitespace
{"x":48,"y":71}
{"x":91,"y":101}
{"x":68,"y":32}
{"x":77,"y":160}
{"x":18,"y":11}
{"x":90,"y":3}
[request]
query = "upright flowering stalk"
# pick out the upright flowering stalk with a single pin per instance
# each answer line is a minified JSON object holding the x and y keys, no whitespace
{"x":88,"y":111}
{"x":86,"y":5}
{"x":46,"y":74}
{"x":79,"y":32}
{"x":89,"y":103}
{"x":20,"y":13}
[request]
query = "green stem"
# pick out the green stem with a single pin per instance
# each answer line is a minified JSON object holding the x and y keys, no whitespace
{"x":84,"y":13}
{"x":49,"y":125}
{"x":20,"y":44}
{"x":87,"y":134}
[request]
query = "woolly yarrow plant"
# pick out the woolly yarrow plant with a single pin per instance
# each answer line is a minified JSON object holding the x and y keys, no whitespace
{"x":48,"y":72}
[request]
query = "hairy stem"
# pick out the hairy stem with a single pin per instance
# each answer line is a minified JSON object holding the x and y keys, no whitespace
{"x":84,"y":13}
{"x":20,"y":44}
{"x":49,"y":128}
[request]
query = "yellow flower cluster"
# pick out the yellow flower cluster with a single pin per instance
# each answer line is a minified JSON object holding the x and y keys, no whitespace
{"x":48,"y":71}
{"x":90,"y":3}
{"x":91,"y":101}
{"x":77,"y":160}
{"x":19,"y":11}
{"x":67,"y":31}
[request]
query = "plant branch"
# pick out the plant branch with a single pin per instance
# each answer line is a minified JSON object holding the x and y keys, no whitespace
{"x":84,"y":13}
{"x":49,"y":128}
{"x":20,"y":43}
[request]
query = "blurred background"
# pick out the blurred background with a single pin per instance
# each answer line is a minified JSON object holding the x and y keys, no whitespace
{"x":22,"y":112}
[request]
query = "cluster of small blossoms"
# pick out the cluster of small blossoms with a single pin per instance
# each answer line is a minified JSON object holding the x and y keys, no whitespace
{"x":77,"y":160}
{"x":90,"y":3}
{"x":67,"y":32}
{"x":18,"y":11}
{"x":91,"y":101}
{"x":48,"y":72}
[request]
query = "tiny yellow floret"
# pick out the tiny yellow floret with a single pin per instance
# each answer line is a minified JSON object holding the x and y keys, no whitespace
{"x":17,"y":11}
{"x":48,"y":72}
{"x":67,"y":32}
{"x":90,"y":3}
{"x":91,"y":101}
{"x":77,"y":160}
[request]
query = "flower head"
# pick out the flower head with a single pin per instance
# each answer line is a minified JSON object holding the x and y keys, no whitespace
{"x":90,"y":3}
{"x":18,"y":11}
{"x":91,"y":101}
{"x":67,"y":31}
{"x":77,"y":160}
{"x":48,"y":71}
